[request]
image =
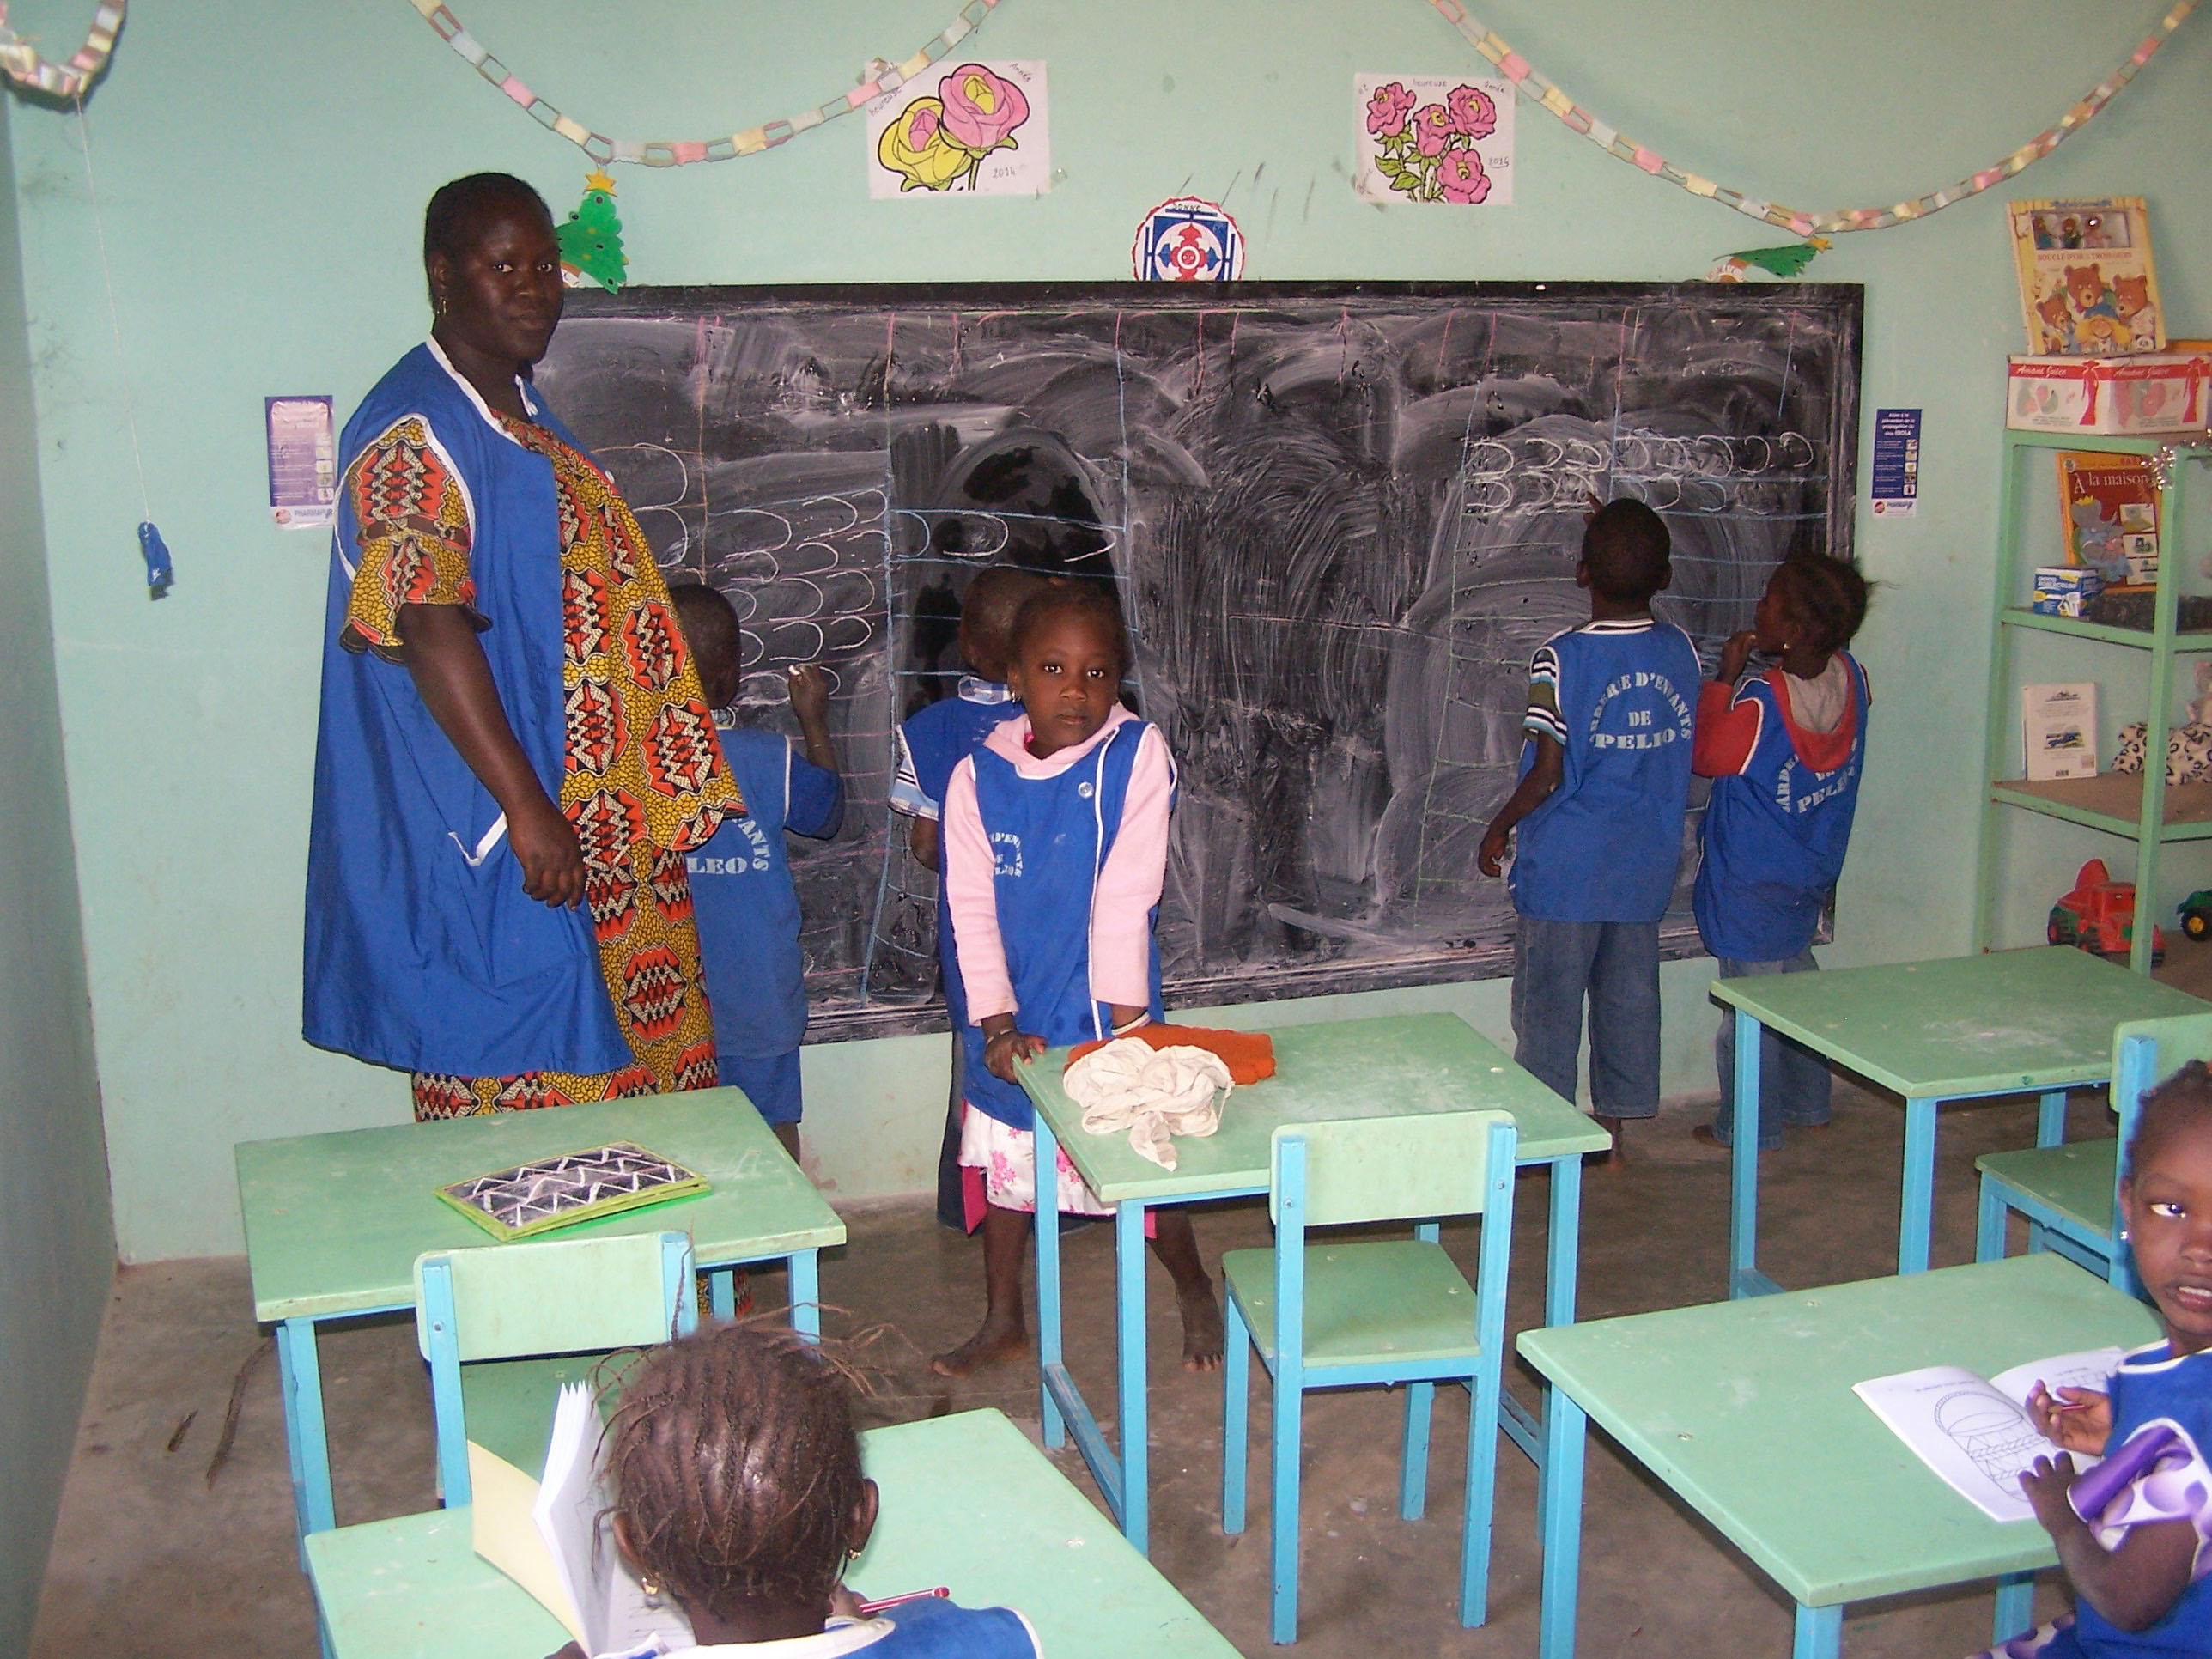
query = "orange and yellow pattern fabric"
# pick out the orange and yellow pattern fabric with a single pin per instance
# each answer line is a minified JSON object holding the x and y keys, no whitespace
{"x":645,"y":781}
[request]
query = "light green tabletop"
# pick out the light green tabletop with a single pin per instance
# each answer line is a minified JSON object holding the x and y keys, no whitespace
{"x":334,"y":1222}
{"x":1965,"y":1026}
{"x":1348,"y":1068}
{"x":968,"y":1502}
{"x":1746,"y":1410}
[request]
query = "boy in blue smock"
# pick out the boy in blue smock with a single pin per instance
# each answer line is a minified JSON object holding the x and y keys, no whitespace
{"x":1605,"y":779}
{"x":742,"y":896}
{"x":933,"y":741}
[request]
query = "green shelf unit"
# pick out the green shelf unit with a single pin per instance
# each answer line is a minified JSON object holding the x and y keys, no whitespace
{"x":2138,"y":807}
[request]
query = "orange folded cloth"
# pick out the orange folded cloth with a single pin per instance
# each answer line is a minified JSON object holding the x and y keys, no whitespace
{"x":1249,"y":1055}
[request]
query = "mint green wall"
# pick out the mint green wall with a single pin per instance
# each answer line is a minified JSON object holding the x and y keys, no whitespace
{"x":263,"y":167}
{"x":57,"y":1245}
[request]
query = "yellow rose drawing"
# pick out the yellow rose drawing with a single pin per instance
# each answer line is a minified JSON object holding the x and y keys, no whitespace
{"x":916,"y":145}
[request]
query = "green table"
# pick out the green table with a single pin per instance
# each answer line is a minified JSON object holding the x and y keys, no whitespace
{"x":968,"y":1502}
{"x":2005,"y":1022}
{"x":1345,"y":1068}
{"x":334,"y":1223}
{"x":1746,"y":1410}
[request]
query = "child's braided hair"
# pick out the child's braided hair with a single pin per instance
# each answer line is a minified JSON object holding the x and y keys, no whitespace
{"x":733,"y":1458}
{"x":1829,"y":594}
{"x":2183,"y":1099}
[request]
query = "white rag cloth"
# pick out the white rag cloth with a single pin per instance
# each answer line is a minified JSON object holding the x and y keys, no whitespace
{"x":1153,"y":1093}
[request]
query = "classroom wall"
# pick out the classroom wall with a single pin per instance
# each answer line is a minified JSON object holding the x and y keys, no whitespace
{"x":263,"y":169}
{"x":56,"y":1244}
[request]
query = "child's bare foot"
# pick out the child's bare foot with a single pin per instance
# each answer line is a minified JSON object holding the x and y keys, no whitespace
{"x":1202,"y":1328}
{"x":999,"y":1338}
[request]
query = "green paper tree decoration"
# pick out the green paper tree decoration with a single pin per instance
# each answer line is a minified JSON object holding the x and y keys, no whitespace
{"x":591,"y":242}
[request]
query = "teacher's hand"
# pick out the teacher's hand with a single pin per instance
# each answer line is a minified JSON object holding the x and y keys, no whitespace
{"x":546,"y":847}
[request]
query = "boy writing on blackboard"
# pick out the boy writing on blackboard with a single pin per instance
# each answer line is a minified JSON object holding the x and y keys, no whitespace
{"x":1605,"y":779}
{"x":741,"y":888}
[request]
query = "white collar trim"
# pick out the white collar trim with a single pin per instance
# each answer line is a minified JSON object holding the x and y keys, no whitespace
{"x":529,"y":407}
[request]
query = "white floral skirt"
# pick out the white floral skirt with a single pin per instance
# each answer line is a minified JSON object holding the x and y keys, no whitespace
{"x":1006,"y":1157}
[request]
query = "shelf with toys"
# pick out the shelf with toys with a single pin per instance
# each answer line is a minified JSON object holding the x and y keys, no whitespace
{"x":2152,"y":805}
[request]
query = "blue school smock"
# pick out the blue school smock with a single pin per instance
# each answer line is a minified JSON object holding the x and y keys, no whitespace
{"x":1049,"y":838}
{"x":1775,"y":833}
{"x":934,"y":740}
{"x":743,"y":900}
{"x":1605,"y":845}
{"x":421,"y":950}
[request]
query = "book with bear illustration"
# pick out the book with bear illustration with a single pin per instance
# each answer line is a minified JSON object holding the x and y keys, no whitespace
{"x":2087,"y":285}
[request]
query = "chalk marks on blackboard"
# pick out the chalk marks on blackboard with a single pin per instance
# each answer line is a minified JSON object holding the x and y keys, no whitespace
{"x":1339,"y":520}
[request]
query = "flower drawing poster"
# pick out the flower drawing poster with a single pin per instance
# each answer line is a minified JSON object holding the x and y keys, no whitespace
{"x":1434,"y":138}
{"x":977,"y":129}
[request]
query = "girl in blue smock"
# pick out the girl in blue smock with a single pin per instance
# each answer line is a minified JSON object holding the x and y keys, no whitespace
{"x":2133,"y":1533}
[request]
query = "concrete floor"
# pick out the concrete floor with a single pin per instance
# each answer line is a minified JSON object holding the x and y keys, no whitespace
{"x":155,"y":1556}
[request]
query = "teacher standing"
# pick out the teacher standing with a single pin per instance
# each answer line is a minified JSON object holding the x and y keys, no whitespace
{"x":514,"y":751}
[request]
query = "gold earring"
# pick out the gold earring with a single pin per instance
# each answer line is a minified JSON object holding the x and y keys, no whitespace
{"x":649,"y":1586}
{"x":852,"y":1555}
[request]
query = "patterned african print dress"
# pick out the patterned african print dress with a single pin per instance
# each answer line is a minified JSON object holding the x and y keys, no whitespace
{"x":644,"y":778}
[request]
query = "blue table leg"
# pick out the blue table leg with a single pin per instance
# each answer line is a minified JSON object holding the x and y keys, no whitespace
{"x":1918,"y":1204}
{"x":1129,"y":1296}
{"x":806,"y":1295}
{"x":1561,"y":1528}
{"x":722,"y":1294}
{"x":1989,"y":1224}
{"x":1049,"y":1354}
{"x":1820,"y":1632}
{"x":300,"y":1381}
{"x":2015,"y":1608}
{"x":1744,"y":1277}
{"x":2050,"y":1119}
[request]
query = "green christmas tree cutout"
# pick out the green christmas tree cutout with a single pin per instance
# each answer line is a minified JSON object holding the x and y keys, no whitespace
{"x":591,"y":242}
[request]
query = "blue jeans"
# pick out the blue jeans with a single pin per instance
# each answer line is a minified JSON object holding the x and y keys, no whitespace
{"x":1793,"y":1082}
{"x":1616,"y":965}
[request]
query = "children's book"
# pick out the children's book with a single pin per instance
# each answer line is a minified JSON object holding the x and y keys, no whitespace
{"x":1976,"y":1433}
{"x":555,"y":1537}
{"x":568,"y":1188}
{"x":2087,"y":285}
{"x":2109,"y":505}
{"x":2059,"y":728}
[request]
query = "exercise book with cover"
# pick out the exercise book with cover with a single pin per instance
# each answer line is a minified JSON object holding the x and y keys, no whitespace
{"x":569,"y":1187}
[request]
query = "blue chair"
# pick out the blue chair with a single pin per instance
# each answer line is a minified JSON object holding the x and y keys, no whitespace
{"x":2070,"y":1192}
{"x":1341,"y":1315}
{"x":564,"y":1304}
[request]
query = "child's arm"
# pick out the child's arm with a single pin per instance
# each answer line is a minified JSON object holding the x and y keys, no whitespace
{"x":1535,"y":788}
{"x":1129,"y":885}
{"x":971,"y":896}
{"x":815,"y":802}
{"x":908,"y":800}
{"x":1727,"y":731}
{"x":2134,"y":1586}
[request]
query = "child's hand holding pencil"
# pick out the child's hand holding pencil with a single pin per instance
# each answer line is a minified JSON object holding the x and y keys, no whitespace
{"x":2077,"y":1420}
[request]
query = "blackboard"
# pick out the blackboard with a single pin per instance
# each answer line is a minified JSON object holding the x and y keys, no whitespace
{"x":1339,"y":516}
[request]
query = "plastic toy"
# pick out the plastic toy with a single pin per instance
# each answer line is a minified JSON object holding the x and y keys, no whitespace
{"x":2100,"y":914}
{"x":2196,"y":914}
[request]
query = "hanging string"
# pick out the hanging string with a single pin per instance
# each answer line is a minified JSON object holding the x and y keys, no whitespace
{"x":675,"y":154}
{"x":160,"y":574}
{"x":1541,"y":90}
{"x":21,"y":64}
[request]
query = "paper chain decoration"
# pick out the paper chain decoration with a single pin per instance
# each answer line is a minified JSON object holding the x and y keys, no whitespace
{"x":675,"y":154}
{"x":1548,"y":94}
{"x":21,"y":62}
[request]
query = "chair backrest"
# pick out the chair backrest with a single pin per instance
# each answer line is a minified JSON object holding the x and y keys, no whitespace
{"x":555,"y":1296}
{"x":558,"y":1295}
{"x":1393,"y":1169}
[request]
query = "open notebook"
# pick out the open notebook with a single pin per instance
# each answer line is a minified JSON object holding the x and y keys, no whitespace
{"x":554,"y":1538}
{"x":1976,"y":1433}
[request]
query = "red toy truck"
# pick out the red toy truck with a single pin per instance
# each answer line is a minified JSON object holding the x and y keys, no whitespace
{"x":2100,"y":915}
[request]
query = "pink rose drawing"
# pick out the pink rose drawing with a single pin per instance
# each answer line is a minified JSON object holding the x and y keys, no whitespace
{"x":981,"y":110}
{"x":1472,"y":112}
{"x":1432,"y":128}
{"x":1460,"y":176}
{"x":1387,"y":109}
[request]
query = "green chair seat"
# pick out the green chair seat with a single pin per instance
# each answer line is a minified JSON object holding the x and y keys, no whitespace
{"x":1397,"y":1299}
{"x":2075,"y":1179}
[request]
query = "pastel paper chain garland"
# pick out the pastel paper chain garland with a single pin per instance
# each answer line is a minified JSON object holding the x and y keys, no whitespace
{"x":673,"y":153}
{"x":21,"y":64}
{"x":1547,"y":93}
